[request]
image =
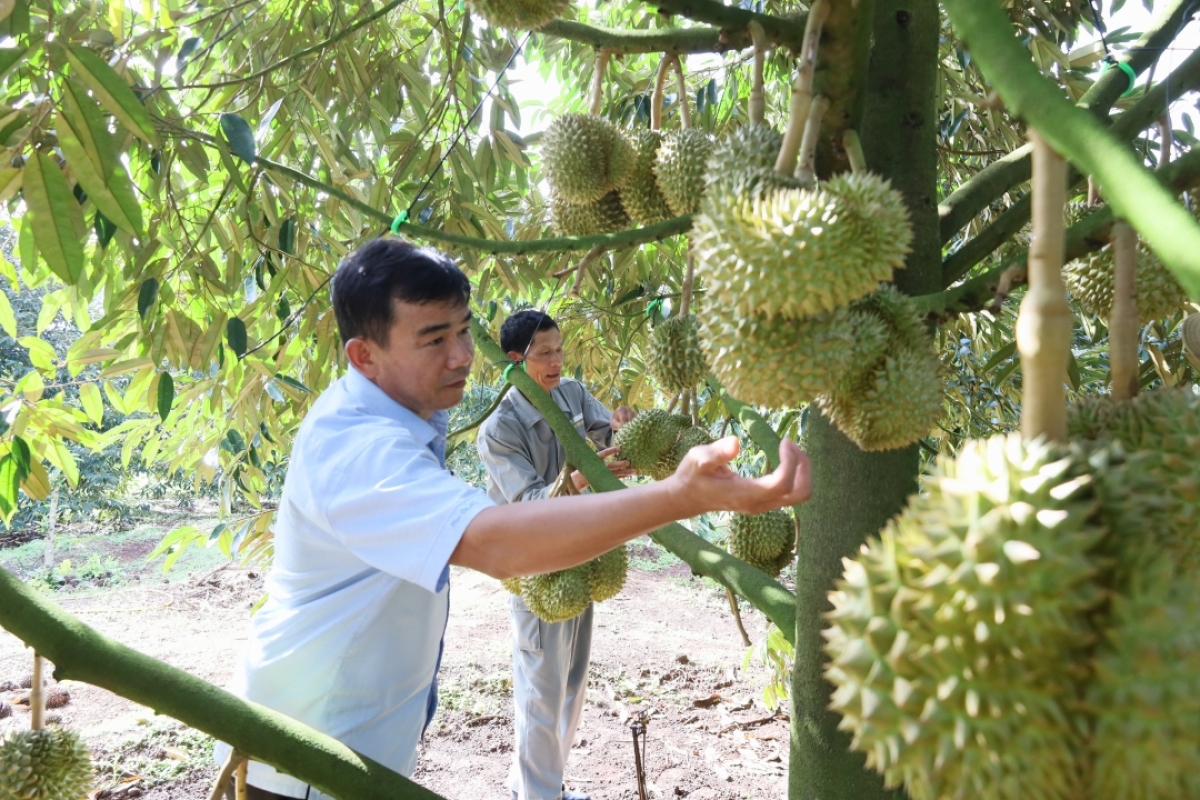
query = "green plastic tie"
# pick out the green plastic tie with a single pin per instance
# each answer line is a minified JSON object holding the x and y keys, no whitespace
{"x":509,"y":369}
{"x":1127,"y":69}
{"x":400,"y":219}
{"x":654,"y":307}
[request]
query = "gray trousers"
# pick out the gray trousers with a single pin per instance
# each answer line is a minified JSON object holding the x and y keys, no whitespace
{"x":550,"y":671}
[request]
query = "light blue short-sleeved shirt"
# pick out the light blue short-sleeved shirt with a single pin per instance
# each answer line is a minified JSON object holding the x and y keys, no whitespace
{"x":349,"y":638}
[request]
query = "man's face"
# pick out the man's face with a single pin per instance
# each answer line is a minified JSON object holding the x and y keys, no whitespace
{"x":428,"y":356}
{"x":544,"y":359}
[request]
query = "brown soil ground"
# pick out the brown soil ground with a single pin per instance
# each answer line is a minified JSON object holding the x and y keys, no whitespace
{"x":665,"y":650}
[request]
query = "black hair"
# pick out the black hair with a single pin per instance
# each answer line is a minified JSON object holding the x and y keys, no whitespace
{"x":387,"y":269}
{"x":518,"y":330}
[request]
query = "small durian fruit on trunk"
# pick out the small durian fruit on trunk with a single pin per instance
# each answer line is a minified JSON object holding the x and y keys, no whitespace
{"x":766,"y":540}
{"x":606,"y":215}
{"x":49,"y":764}
{"x":675,"y":358}
{"x":646,"y":439}
{"x":640,"y":194}
{"x":584,"y":157}
{"x":953,"y":634}
{"x":679,"y":169}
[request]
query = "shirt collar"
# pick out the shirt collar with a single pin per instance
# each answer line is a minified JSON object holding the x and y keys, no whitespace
{"x":376,"y":401}
{"x":525,"y":410}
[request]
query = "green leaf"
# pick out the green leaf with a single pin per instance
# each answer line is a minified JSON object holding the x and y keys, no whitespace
{"x":9,"y":486}
{"x":20,"y":452}
{"x":93,"y":405}
{"x":166,"y":395}
{"x":147,"y":294}
{"x":49,"y":200}
{"x":10,"y":57}
{"x":112,"y":92}
{"x":240,"y":137}
{"x":233,"y":442}
{"x":292,"y":382}
{"x":8,"y":320}
{"x":104,"y":229}
{"x":235,"y":334}
{"x":287,"y":235}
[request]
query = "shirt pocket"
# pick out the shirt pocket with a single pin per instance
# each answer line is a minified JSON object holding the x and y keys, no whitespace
{"x":527,"y":628}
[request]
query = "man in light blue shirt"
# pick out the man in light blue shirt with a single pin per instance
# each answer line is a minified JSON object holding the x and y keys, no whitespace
{"x":350,"y":638}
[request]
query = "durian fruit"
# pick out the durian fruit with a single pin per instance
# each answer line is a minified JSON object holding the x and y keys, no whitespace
{"x":764,"y":540}
{"x":646,"y":439}
{"x":675,"y":358}
{"x":51,"y":764}
{"x":952,"y":635}
{"x":742,"y":163}
{"x":606,"y":575}
{"x":1090,"y":281}
{"x":606,"y":215}
{"x":801,"y":252}
{"x":778,"y":363}
{"x":520,"y":14}
{"x":558,"y":596}
{"x":692,"y":437}
{"x":640,"y":194}
{"x":1145,"y":696}
{"x":585,"y":157}
{"x":679,"y":169}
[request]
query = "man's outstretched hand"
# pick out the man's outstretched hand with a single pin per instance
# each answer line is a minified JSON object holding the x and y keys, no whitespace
{"x":704,"y":482}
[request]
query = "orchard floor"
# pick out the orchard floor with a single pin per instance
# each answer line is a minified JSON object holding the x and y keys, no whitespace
{"x":666,"y":647}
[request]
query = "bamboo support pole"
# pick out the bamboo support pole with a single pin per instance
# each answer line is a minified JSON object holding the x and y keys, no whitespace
{"x":597,"y":104}
{"x":1044,"y":321}
{"x":37,"y":694}
{"x":758,"y":100}
{"x":801,"y":100}
{"x":1123,"y":319}
{"x":806,"y":167}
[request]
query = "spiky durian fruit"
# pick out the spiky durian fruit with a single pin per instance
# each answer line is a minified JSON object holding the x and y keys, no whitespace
{"x":742,"y":163}
{"x":952,"y":635}
{"x":646,"y":439}
{"x":585,"y":157}
{"x":777,"y":362}
{"x":558,"y":596}
{"x":520,"y":14}
{"x":692,"y":437}
{"x":50,"y":764}
{"x":676,"y":359}
{"x":640,"y":194}
{"x":679,"y":169}
{"x":801,"y":252}
{"x":607,"y":574}
{"x":1090,"y":281}
{"x":764,"y":540}
{"x":1145,"y":696}
{"x":606,"y":215}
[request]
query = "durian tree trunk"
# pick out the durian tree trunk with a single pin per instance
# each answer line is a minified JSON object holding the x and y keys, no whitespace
{"x":856,"y":492}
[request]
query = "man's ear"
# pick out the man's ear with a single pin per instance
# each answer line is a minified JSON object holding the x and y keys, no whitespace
{"x":360,"y":354}
{"x":515,"y":356}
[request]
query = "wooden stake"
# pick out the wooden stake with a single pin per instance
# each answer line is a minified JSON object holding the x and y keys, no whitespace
{"x":685,"y":106}
{"x":1123,"y":319}
{"x":802,"y":88}
{"x":758,"y":100}
{"x":1165,"y":132}
{"x":232,"y":763}
{"x":37,"y":695}
{"x":806,"y":169}
{"x":602,"y":57}
{"x":239,"y":781}
{"x":1044,"y":322}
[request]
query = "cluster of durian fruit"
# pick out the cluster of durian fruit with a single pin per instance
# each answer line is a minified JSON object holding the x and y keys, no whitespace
{"x":1026,"y":627}
{"x":562,"y":595}
{"x":520,"y":14}
{"x":48,"y":764}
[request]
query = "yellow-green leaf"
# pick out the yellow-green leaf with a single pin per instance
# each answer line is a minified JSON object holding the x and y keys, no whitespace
{"x":10,"y":182}
{"x":8,"y":320}
{"x":112,"y":92}
{"x":93,"y":405}
{"x":37,"y":482}
{"x":49,"y":201}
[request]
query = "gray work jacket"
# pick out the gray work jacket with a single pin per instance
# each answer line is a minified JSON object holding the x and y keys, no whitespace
{"x":522,"y":455}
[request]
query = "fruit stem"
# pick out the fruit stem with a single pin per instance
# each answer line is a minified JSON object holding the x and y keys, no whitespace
{"x":37,"y":695}
{"x":1044,"y":321}
{"x":584,"y":263}
{"x":758,"y":101}
{"x":802,"y":88}
{"x":602,"y":57}
{"x":685,"y":107}
{"x":806,"y":168}
{"x":737,"y":617}
{"x":660,"y":88}
{"x":1123,"y":319}
{"x":689,"y":280}
{"x":854,"y":151}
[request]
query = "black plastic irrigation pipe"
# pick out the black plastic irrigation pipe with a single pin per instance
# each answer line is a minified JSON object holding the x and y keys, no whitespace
{"x":763,"y":592}
{"x":1125,"y":183}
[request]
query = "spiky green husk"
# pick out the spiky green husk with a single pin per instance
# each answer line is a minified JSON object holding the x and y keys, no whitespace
{"x":607,"y":574}
{"x":1146,"y":691}
{"x":558,"y":596}
{"x":952,"y":635}
{"x":692,"y":437}
{"x":646,"y":439}
{"x":584,"y":157}
{"x":777,"y":362}
{"x":679,"y":169}
{"x":1090,"y":281}
{"x":50,"y":764}
{"x":675,"y":358}
{"x":640,"y":194}
{"x":520,"y":14}
{"x":742,"y":163}
{"x":764,"y":540}
{"x":799,"y":252}
{"x":606,"y":215}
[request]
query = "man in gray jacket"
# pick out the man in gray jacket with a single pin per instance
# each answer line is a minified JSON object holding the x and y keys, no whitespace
{"x":523,"y":460}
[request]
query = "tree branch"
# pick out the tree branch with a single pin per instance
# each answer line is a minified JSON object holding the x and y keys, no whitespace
{"x":787,"y":33}
{"x":84,"y":654}
{"x":766,"y":594}
{"x":998,"y":177}
{"x":680,"y":41}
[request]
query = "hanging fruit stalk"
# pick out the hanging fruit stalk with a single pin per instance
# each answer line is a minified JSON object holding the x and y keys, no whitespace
{"x":806,"y":168}
{"x":602,"y":57}
{"x":685,"y":108}
{"x":660,"y":88}
{"x":758,"y":100}
{"x":1123,"y":320}
{"x":37,"y":695}
{"x":854,"y":151}
{"x":802,"y":88}
{"x":1044,"y":321}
